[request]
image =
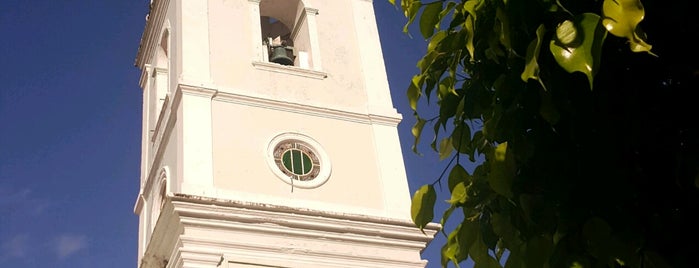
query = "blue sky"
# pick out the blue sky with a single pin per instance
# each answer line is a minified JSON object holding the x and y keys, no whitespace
{"x":70,"y":123}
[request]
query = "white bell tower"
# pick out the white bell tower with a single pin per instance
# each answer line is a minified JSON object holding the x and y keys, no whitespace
{"x":270,"y":139}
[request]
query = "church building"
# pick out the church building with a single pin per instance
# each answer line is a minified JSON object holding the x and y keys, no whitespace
{"x":270,"y":139}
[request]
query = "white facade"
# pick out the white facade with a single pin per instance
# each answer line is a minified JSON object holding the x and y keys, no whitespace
{"x":215,"y":112}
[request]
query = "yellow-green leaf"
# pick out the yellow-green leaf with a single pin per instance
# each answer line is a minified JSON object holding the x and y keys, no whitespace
{"x":422,"y":206}
{"x":445,"y":148}
{"x":531,"y":70}
{"x":458,"y":194}
{"x":470,"y":34}
{"x":454,"y":249}
{"x":410,"y":10}
{"x":430,"y":18}
{"x":417,"y":131}
{"x":436,"y":38}
{"x":393,"y":2}
{"x":445,"y":217}
{"x":504,"y":28}
{"x":583,"y":53}
{"x":621,"y":18}
{"x":414,"y":91}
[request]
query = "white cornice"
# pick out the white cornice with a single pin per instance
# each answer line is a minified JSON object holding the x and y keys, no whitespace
{"x":197,"y":213}
{"x":200,"y":208}
{"x":149,"y":38}
{"x":267,"y":103}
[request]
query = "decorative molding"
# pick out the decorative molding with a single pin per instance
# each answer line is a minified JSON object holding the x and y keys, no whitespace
{"x":188,"y":257}
{"x":291,"y":70}
{"x":311,"y":11}
{"x":273,"y":104}
{"x":224,"y":209}
{"x":205,"y":217}
{"x":169,"y":119}
{"x":151,"y":33}
{"x":191,"y":90}
{"x":140,"y":201}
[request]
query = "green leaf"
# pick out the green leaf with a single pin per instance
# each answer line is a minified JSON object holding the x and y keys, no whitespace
{"x":514,"y":260}
{"x":430,"y":18}
{"x":504,"y":28}
{"x":410,"y":10}
{"x":461,"y":138}
{"x":470,"y":6}
{"x":547,"y":109}
{"x":458,"y":194}
{"x":436,"y":128}
{"x":539,"y":249}
{"x":469,"y":27}
{"x":490,"y":238}
{"x":621,"y":18}
{"x":458,"y":175}
{"x":450,"y":250}
{"x":468,"y":234}
{"x":445,"y":148}
{"x":435,"y":40}
{"x":596,"y":233}
{"x":479,"y":254}
{"x":454,"y":249}
{"x":502,"y":171}
{"x":531,"y":70}
{"x":414,"y":91}
{"x":504,"y":228}
{"x":578,"y":45}
{"x":422,"y":206}
{"x":417,"y":131}
{"x":393,"y":2}
{"x":445,"y":217}
{"x":448,"y":8}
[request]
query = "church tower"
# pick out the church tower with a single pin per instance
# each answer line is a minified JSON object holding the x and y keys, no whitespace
{"x":270,"y":139}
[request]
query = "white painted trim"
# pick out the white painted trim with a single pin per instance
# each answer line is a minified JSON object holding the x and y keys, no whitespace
{"x":291,"y":70}
{"x":181,"y":238}
{"x":325,"y":163}
{"x":268,"y":103}
{"x":254,"y":11}
{"x":149,"y":38}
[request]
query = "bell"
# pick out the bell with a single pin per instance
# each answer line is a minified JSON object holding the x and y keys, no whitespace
{"x":279,"y":56}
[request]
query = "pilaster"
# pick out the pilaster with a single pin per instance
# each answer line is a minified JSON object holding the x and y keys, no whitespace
{"x":196,"y":145}
{"x":194,"y":66}
{"x":371,"y":56}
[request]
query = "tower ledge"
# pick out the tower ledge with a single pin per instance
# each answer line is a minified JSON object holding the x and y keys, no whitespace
{"x":235,"y":233}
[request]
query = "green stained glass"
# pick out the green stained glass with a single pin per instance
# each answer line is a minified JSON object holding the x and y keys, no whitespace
{"x":297,"y":162}
{"x":307,"y":165}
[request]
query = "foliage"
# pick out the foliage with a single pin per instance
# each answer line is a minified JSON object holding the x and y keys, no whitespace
{"x":585,"y":163}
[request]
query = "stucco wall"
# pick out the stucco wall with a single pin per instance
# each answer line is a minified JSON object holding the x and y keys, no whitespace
{"x":242,"y":135}
{"x":231,"y":52}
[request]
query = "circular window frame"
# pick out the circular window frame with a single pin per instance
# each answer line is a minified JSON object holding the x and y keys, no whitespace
{"x":312,"y":145}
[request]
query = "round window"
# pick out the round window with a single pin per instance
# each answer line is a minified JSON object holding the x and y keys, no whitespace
{"x":298,"y":160}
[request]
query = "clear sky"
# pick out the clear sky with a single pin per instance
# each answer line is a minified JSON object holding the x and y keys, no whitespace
{"x":70,"y":119}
